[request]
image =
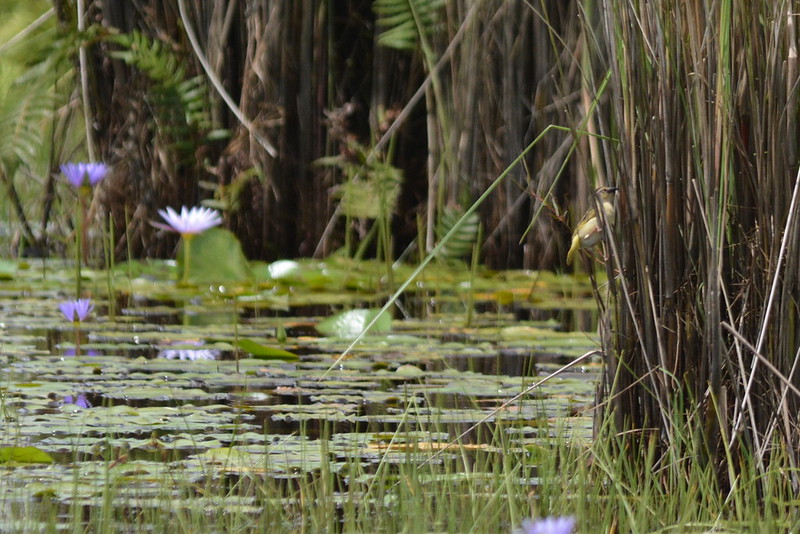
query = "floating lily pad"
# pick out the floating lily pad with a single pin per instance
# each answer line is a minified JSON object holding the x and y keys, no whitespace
{"x":165,"y":427}
{"x":24,"y":455}
{"x":262,"y":352}
{"x":8,"y":269}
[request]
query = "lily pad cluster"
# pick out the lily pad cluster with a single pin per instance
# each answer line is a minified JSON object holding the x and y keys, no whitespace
{"x":187,"y":385}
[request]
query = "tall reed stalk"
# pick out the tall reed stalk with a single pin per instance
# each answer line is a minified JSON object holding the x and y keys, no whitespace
{"x":704,"y":265}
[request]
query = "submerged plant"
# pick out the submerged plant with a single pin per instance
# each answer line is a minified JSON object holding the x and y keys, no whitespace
{"x":76,"y":311}
{"x":83,"y":176}
{"x":188,"y":223}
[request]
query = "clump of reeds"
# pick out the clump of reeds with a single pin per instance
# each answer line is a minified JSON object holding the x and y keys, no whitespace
{"x":704,"y":267}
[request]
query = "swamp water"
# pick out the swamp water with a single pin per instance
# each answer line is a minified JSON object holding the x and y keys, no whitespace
{"x":185,"y":398}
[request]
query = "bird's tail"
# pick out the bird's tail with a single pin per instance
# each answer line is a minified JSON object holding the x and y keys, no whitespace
{"x":576,"y":245}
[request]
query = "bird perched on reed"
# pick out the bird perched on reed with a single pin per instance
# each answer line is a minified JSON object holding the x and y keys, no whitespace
{"x":589,"y":230}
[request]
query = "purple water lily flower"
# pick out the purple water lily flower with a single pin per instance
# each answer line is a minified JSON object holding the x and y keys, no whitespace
{"x":76,"y":311}
{"x":78,"y":400}
{"x":189,"y":221}
{"x":549,"y":525}
{"x":73,"y":352}
{"x":84,"y":174}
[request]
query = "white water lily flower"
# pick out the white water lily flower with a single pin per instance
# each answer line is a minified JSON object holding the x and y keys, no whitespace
{"x":549,"y":525}
{"x":189,"y":221}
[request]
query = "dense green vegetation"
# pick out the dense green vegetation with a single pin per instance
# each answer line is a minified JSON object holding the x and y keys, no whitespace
{"x":426,"y":134}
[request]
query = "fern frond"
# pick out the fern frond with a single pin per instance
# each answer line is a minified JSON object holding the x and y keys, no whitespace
{"x":461,"y":243}
{"x":24,"y":111}
{"x":150,"y":56}
{"x":180,"y":102}
{"x":406,"y":21}
{"x":32,"y":91}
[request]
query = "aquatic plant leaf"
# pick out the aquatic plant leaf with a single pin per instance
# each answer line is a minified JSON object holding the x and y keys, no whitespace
{"x":262,"y":352}
{"x":216,"y":256}
{"x":7,"y":269}
{"x":24,"y":455}
{"x":350,"y":324}
{"x":409,"y":370}
{"x":153,"y":418}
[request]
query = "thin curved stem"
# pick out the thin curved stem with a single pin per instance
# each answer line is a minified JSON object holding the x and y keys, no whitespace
{"x":82,"y":61}
{"x":212,"y":77}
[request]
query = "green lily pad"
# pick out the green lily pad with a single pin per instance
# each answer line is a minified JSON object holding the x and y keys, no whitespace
{"x":161,"y":427}
{"x":24,"y":455}
{"x":7,"y":269}
{"x":262,"y":352}
{"x":216,"y":256}
{"x":409,"y":370}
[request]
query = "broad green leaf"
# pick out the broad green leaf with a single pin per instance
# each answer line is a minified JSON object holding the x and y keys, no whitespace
{"x":216,"y":256}
{"x":24,"y":455}
{"x":7,"y":269}
{"x":262,"y":352}
{"x":409,"y":370}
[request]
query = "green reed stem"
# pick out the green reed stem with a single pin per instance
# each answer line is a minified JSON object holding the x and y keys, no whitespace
{"x":80,"y":238}
{"x":109,"y":260}
{"x":77,"y":326}
{"x":187,"y":254}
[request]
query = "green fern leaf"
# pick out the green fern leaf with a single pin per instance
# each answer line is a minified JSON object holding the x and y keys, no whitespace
{"x":180,"y":102}
{"x":461,"y":243}
{"x":406,"y":20}
{"x":24,"y":111}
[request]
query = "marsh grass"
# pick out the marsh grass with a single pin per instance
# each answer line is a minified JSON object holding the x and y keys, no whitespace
{"x":702,"y":335}
{"x":473,"y":489}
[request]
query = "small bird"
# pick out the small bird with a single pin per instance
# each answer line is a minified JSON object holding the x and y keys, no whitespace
{"x":589,"y":230}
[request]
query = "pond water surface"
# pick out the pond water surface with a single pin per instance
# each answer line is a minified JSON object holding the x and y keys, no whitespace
{"x":172,"y":387}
